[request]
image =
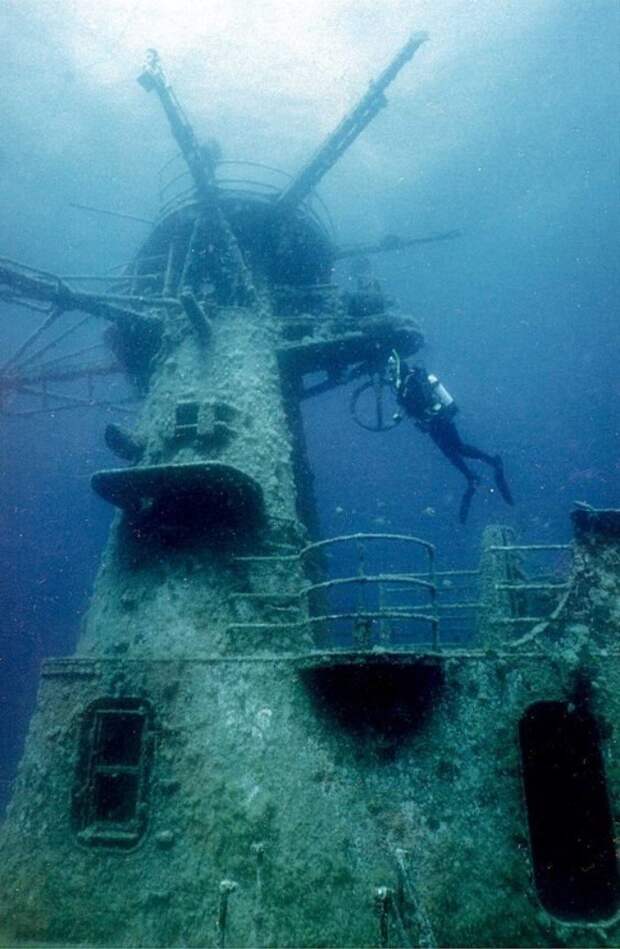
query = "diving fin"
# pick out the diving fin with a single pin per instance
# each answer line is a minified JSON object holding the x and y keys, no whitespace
{"x":500,"y":481}
{"x":466,"y":501}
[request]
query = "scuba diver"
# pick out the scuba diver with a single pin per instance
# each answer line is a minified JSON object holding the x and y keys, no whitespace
{"x":423,"y":397}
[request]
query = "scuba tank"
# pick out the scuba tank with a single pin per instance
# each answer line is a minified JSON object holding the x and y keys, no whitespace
{"x":443,"y":400}
{"x":421,"y":393}
{"x":440,"y":404}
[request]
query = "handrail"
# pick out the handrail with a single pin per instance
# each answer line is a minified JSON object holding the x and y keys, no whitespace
{"x":333,"y":617}
{"x":313,"y":196}
{"x":513,"y":600}
{"x":320,"y":215}
{"x":532,"y":586}
{"x":366,"y":614}
{"x":444,"y":616}
{"x":340,"y":538}
{"x":510,"y":547}
{"x":383,"y":581}
{"x":366,"y":578}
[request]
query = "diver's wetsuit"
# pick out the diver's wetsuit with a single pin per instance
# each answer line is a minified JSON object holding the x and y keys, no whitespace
{"x":443,"y":432}
{"x":433,"y":408}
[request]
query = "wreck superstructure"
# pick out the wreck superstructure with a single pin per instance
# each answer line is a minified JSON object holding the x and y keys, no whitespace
{"x":211,"y":767}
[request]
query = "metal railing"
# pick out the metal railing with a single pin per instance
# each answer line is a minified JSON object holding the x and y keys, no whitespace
{"x":528,"y":596}
{"x":244,"y":178}
{"x":457,"y":602}
{"x":449,"y":614}
{"x":364,"y":621}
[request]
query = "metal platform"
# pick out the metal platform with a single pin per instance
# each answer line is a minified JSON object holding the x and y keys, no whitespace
{"x":342,"y":350}
{"x":201,"y":494}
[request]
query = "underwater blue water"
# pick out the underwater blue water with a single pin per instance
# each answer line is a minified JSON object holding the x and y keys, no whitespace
{"x":519,"y":313}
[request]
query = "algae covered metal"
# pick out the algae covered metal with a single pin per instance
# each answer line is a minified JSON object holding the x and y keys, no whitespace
{"x":211,"y":768}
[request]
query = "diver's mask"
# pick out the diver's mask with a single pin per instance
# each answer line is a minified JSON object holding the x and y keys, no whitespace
{"x":393,"y":369}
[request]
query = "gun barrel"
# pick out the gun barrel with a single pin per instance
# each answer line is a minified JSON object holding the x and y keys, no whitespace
{"x":349,"y":128}
{"x":391,"y":243}
{"x":153,"y":78}
{"x":401,"y":59}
